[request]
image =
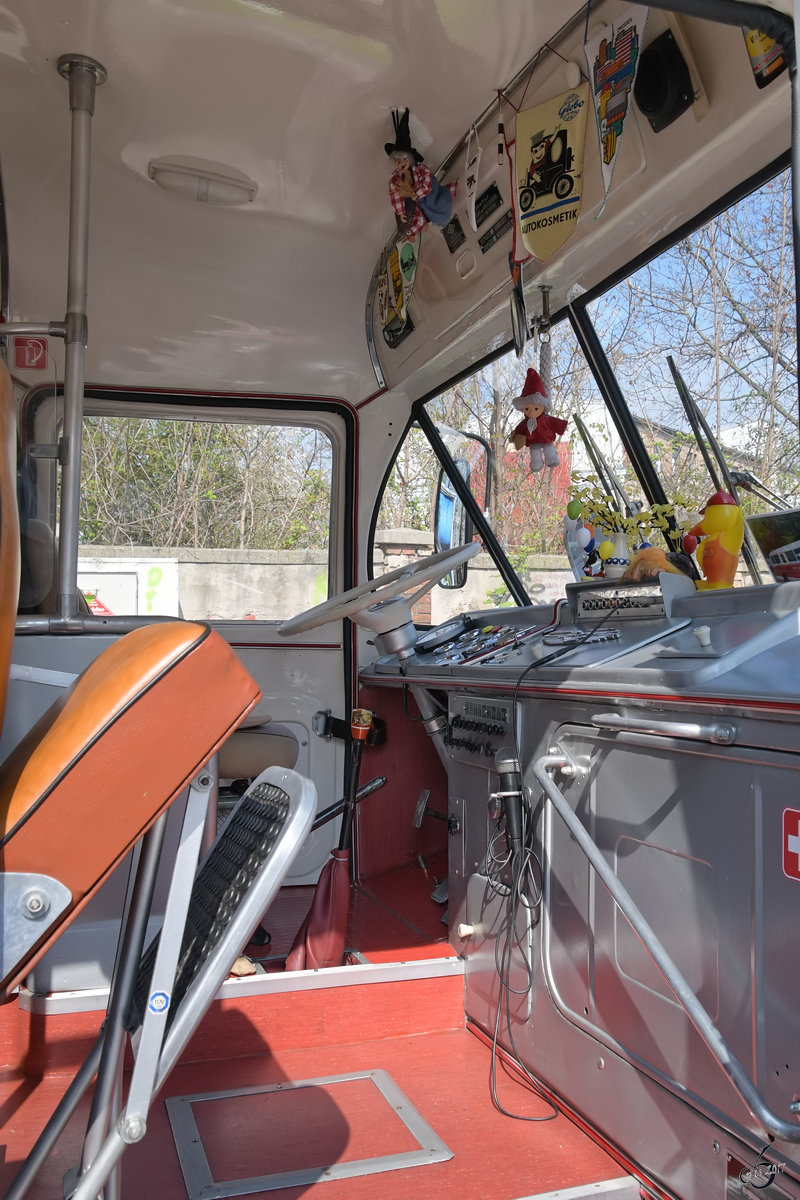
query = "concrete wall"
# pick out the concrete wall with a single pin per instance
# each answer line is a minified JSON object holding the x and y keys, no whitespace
{"x":275,"y":584}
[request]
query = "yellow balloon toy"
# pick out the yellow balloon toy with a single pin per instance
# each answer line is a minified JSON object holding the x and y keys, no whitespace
{"x":722,"y":531}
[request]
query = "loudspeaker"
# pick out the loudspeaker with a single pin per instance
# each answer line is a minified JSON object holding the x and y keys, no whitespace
{"x":663,"y":88}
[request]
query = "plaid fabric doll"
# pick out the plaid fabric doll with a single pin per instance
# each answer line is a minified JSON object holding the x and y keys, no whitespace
{"x":416,"y":194}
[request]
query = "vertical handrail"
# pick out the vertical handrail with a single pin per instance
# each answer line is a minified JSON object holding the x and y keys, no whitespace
{"x":83,"y":75}
{"x":779,"y":1128}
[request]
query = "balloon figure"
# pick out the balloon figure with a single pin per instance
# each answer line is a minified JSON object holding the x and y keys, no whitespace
{"x":721,"y":531}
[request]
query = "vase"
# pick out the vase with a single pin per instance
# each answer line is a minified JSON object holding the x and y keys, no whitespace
{"x":619,"y":560}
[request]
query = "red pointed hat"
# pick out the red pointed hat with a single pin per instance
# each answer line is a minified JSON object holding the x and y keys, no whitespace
{"x":533,"y":392}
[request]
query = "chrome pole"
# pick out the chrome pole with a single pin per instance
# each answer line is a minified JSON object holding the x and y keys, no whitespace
{"x":83,"y":75}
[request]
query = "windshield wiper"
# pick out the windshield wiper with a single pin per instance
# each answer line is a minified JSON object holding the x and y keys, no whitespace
{"x":751,"y":483}
{"x":702,"y":430}
{"x":605,"y":472}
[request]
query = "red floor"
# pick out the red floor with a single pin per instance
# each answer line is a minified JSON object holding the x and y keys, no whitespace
{"x":412,"y":1029}
{"x":445,"y":1076}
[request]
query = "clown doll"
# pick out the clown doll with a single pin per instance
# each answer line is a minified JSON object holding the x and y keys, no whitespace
{"x":539,"y":429}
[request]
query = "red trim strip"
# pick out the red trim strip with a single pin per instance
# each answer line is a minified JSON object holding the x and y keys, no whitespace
{"x":451,"y":684}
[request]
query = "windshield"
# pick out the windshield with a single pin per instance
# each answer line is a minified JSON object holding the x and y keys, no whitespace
{"x":701,"y":344}
{"x":712,"y":321}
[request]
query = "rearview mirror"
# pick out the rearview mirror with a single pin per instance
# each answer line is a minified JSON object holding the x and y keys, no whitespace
{"x":451,"y":524}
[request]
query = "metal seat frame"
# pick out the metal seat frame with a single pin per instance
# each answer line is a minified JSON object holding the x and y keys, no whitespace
{"x":161,"y":1031}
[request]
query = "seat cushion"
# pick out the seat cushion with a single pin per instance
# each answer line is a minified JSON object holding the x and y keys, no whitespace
{"x":110,"y":755}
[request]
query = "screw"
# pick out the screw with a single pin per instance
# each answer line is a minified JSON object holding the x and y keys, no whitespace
{"x":133,"y":1129}
{"x":35,"y":903}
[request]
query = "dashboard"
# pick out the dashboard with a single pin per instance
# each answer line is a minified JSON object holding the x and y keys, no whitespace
{"x":653,"y":636}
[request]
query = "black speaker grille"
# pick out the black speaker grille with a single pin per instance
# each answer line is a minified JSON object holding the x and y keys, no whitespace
{"x":223,"y":881}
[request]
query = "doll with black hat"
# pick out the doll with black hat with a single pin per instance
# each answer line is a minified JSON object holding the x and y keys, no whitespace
{"x":416,"y":194}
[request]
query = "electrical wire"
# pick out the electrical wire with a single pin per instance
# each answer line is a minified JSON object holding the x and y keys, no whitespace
{"x":524,"y":892}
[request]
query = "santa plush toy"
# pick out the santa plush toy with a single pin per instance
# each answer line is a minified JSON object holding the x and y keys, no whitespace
{"x":539,"y":429}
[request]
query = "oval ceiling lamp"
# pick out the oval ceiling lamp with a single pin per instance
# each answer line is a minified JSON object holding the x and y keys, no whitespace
{"x":204,"y":181}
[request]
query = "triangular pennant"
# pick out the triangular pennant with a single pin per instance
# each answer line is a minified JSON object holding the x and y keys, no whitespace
{"x":518,"y":252}
{"x":550,"y":141}
{"x":612,"y":57}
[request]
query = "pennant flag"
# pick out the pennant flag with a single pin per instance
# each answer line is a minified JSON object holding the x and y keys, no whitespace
{"x":395,"y":288}
{"x":474,"y":153}
{"x":612,"y":57}
{"x":550,"y":141}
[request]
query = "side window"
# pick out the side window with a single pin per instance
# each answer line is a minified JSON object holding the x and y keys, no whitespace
{"x":204,"y":519}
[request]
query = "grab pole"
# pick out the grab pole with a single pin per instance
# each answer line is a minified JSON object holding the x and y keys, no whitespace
{"x":83,"y":75}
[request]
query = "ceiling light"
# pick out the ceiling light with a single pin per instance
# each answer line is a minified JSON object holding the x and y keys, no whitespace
{"x":206,"y":182}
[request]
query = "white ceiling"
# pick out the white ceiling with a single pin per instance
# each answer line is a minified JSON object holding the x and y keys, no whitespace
{"x":295,"y":95}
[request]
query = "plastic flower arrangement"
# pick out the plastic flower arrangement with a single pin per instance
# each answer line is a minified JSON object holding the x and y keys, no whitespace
{"x":599,"y":510}
{"x":596,"y":528}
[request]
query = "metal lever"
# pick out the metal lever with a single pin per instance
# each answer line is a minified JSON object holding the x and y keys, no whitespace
{"x":722,"y":733}
{"x":779,"y":1128}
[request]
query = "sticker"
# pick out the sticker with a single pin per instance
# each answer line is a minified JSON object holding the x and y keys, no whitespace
{"x":549,"y":169}
{"x":158,"y":1002}
{"x":453,"y":235}
{"x":30,"y":353}
{"x":487,"y":203}
{"x":496,"y":231}
{"x":791,"y":843}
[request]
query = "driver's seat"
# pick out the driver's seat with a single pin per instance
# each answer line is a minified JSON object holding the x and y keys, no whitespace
{"x":91,"y":783}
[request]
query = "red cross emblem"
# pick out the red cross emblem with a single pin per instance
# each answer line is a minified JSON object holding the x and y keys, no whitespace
{"x":791,"y":843}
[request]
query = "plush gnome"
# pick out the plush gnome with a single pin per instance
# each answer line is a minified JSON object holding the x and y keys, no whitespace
{"x":539,"y":430}
{"x":416,"y":194}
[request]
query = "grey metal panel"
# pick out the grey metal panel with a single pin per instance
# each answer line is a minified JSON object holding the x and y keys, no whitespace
{"x":687,"y":830}
{"x":694,"y":831}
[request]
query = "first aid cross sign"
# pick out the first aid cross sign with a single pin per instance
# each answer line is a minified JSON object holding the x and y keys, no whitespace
{"x":791,"y":843}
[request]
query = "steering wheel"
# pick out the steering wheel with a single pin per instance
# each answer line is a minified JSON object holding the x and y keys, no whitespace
{"x":374,"y":592}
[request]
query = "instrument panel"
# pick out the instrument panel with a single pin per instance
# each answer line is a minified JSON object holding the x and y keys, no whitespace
{"x":650,"y":636}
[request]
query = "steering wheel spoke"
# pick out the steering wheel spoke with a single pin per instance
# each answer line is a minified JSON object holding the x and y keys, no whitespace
{"x":374,"y":592}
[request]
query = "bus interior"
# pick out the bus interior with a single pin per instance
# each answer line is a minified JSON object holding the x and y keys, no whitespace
{"x":399,"y":600}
